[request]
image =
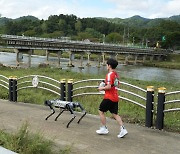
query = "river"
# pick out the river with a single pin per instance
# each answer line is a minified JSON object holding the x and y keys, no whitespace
{"x":130,"y":71}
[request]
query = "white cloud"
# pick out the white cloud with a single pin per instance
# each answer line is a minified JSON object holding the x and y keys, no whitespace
{"x":172,"y":7}
{"x":146,"y":8}
{"x":113,"y":8}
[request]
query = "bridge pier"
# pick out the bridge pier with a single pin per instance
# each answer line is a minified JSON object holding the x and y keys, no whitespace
{"x":159,"y":58}
{"x":103,"y":57}
{"x":47,"y":56}
{"x":18,"y":54}
{"x":144,"y":58}
{"x":99,"y":61}
{"x":59,"y":53}
{"x":151,"y":58}
{"x":126,"y":59}
{"x":81,"y":62}
{"x":135,"y":60}
{"x":116,"y":56}
{"x":88,"y":56}
{"x":29,"y":61}
{"x":71,"y":57}
{"x":112,"y":56}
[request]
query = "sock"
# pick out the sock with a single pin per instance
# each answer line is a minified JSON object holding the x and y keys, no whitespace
{"x":122,"y":127}
{"x":104,"y":126}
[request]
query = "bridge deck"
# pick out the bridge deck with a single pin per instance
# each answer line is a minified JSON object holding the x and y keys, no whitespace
{"x":23,"y":42}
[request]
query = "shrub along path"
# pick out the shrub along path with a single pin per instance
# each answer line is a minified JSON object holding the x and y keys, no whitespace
{"x":81,"y":138}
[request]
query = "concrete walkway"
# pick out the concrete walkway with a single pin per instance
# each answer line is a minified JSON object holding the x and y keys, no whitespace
{"x":81,"y":138}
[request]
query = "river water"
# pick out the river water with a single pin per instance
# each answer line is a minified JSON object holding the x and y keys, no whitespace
{"x":129,"y":71}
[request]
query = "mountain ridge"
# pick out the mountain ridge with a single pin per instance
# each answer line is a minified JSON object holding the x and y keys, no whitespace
{"x":134,"y":21}
{"x":138,"y":21}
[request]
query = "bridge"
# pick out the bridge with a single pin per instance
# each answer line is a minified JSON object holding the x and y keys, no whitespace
{"x":24,"y":44}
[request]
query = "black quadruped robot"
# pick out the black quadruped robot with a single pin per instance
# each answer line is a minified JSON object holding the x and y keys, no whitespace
{"x":64,"y":106}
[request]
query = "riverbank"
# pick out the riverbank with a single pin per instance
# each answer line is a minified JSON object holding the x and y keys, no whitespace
{"x":172,"y":62}
{"x":138,"y":72}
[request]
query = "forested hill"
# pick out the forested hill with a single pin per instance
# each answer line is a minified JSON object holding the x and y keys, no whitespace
{"x":4,"y":20}
{"x":138,"y":21}
{"x":135,"y":30}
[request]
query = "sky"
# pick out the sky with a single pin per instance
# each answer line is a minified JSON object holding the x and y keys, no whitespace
{"x":42,"y":9}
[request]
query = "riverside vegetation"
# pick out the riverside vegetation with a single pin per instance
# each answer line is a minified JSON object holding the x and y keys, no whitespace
{"x":130,"y":112}
{"x":172,"y":61}
{"x":25,"y":142}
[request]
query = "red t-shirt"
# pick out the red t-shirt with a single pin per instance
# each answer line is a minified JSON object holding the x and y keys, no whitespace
{"x":112,"y":93}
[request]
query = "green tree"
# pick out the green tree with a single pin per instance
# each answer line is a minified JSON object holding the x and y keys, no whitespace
{"x":62,"y":25}
{"x":83,"y":36}
{"x":114,"y":38}
{"x":30,"y":33}
{"x":93,"y":32}
{"x":78,"y":26}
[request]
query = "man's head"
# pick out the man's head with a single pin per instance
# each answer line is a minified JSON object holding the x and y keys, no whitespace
{"x":112,"y":63}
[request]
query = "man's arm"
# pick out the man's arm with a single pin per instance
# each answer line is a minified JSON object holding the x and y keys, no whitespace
{"x":107,"y":87}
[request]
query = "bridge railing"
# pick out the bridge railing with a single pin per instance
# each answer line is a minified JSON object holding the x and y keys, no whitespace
{"x":55,"y":40}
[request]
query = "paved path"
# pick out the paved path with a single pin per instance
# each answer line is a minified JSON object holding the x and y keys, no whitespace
{"x":82,"y":137}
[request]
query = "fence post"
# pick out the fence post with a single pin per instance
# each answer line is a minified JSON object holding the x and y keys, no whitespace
{"x":160,"y":108}
{"x":63,"y":89}
{"x":149,"y":106}
{"x":10,"y":88}
{"x":70,"y":88}
{"x":15,"y":89}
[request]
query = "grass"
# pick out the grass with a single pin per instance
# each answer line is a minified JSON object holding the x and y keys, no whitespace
{"x":25,"y":142}
{"x":129,"y":111}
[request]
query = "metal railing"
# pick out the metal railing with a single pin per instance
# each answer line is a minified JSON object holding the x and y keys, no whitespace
{"x":136,"y":95}
{"x":172,"y":101}
{"x":128,"y":92}
{"x":162,"y":103}
{"x":4,"y":82}
{"x":49,"y":84}
{"x":95,"y":86}
{"x":34,"y":81}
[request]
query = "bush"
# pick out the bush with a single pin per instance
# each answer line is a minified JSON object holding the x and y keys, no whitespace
{"x":24,"y":142}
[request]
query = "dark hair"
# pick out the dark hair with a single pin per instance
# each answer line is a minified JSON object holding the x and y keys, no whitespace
{"x":112,"y":62}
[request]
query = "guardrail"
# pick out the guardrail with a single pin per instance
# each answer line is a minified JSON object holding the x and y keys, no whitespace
{"x":95,"y":86}
{"x":4,"y":82}
{"x":143,"y":98}
{"x":162,"y":96}
{"x":37,"y":83}
{"x":32,"y":81}
{"x":132,"y":94}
